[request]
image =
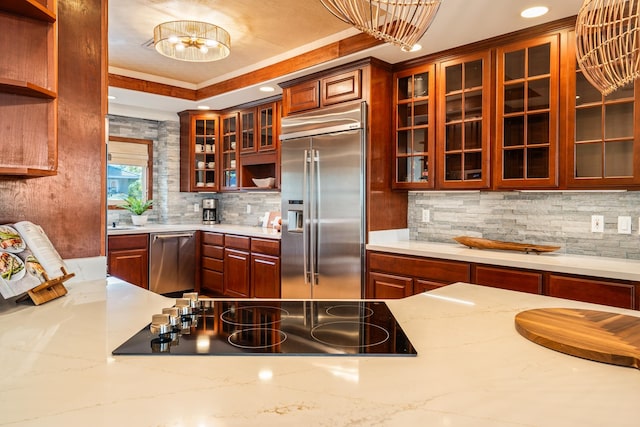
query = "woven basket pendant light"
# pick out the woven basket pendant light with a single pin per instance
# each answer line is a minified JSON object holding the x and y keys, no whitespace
{"x":608,"y":44}
{"x":400,"y":22}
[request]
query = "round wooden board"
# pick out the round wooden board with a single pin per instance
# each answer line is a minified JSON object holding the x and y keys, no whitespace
{"x":595,"y":335}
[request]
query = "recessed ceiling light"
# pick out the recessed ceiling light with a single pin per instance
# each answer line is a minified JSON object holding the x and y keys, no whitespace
{"x":203,"y":107}
{"x":534,"y":12}
{"x":110,"y":97}
{"x":266,"y":89}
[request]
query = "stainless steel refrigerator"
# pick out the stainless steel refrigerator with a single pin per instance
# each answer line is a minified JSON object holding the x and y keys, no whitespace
{"x":322,"y":189}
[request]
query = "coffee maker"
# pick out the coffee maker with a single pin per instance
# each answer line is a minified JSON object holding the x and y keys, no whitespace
{"x":209,"y":211}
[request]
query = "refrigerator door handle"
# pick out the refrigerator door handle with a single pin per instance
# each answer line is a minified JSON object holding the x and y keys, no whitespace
{"x":315,"y":207}
{"x":305,"y":218}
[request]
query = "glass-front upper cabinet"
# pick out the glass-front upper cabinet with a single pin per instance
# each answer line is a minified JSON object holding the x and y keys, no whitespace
{"x":267,"y":125}
{"x":414,"y":119}
{"x":463,"y":122}
{"x":229,"y":151}
{"x":198,"y":151}
{"x":601,"y":151}
{"x":247,"y":130}
{"x":527,"y":112}
{"x":205,"y":152}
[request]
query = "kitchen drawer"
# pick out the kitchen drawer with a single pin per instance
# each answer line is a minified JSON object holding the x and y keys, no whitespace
{"x":265,"y":246}
{"x":128,"y":241}
{"x":420,"y":286}
{"x":426,"y":268}
{"x":213,"y":251}
{"x":617,"y":294}
{"x":212,"y":281}
{"x":213,"y":264}
{"x":237,"y":242}
{"x":213,"y":239}
{"x":504,"y":278}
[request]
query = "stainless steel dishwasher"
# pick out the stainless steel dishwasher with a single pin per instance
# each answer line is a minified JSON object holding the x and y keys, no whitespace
{"x":172,"y":262}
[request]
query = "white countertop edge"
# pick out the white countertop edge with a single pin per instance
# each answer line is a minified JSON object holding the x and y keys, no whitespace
{"x":612,"y":268}
{"x":244,"y":230}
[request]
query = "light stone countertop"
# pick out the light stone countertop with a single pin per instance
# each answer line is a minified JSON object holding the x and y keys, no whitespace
{"x":612,"y":268}
{"x":472,"y":369}
{"x":243,"y":230}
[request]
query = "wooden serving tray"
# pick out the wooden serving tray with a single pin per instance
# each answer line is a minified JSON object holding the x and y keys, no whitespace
{"x":595,"y":335}
{"x":476,"y":242}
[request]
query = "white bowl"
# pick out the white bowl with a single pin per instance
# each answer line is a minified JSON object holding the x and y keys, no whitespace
{"x":264,"y":182}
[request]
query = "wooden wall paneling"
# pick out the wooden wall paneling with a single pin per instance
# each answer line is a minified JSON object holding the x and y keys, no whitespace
{"x":386,"y":209}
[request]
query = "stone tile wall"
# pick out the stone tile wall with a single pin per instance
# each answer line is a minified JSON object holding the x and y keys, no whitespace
{"x":170,"y":205}
{"x":552,"y":218}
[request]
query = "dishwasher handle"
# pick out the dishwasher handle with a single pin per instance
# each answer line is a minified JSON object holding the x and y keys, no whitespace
{"x":171,"y":236}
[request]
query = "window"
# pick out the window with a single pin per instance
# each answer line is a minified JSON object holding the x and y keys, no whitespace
{"x":129,"y":169}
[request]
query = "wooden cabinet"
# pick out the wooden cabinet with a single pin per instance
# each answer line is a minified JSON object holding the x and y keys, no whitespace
{"x":388,"y":286}
{"x":368,"y":80}
{"x":508,"y":278}
{"x":464,"y":113}
{"x":198,"y":148}
{"x":229,"y":137}
{"x":527,"y":113}
{"x":248,"y":130}
{"x":28,"y":87}
{"x":402,"y":275}
{"x":265,"y":268}
{"x":600,"y":291}
{"x":212,"y":264}
{"x":237,"y":266}
{"x":414,"y":124}
{"x":259,"y":154}
{"x":396,"y":276}
{"x":259,"y":128}
{"x":321,"y":92}
{"x":236,"y":278}
{"x":601,"y":148}
{"x":513,"y":113}
{"x":341,"y":88}
{"x":244,"y":268}
{"x":128,"y":258}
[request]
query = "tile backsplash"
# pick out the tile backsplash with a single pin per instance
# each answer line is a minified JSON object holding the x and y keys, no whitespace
{"x":561,"y":218}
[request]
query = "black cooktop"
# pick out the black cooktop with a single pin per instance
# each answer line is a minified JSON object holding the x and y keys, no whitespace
{"x":254,"y":327}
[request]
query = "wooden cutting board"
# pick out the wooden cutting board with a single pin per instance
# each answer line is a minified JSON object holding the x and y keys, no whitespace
{"x":595,"y":335}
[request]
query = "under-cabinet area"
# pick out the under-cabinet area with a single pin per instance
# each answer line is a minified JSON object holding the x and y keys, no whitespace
{"x":398,"y":276}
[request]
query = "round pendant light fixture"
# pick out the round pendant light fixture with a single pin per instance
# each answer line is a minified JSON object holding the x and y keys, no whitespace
{"x":192,"y":41}
{"x":608,"y":43}
{"x":400,"y":22}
